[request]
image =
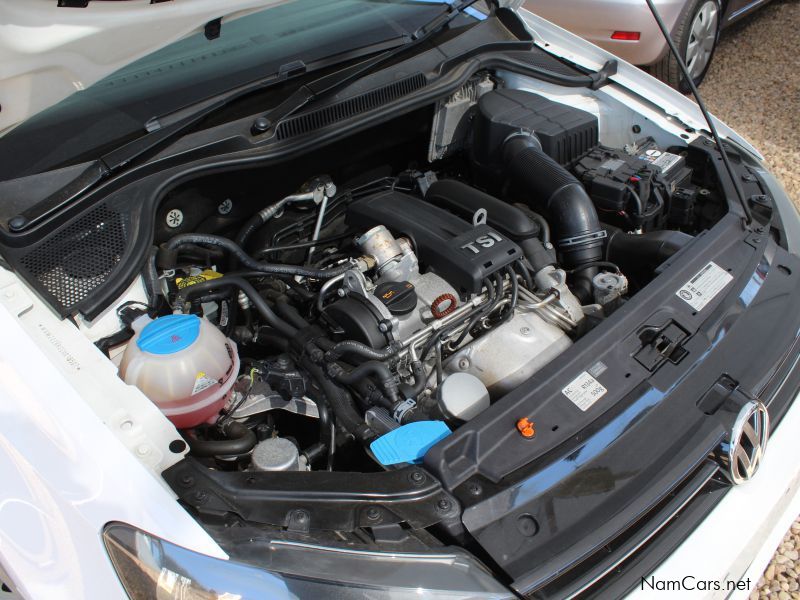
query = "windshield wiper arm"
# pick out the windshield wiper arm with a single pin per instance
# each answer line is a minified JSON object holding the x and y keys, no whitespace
{"x":327,"y":85}
{"x":162,"y":128}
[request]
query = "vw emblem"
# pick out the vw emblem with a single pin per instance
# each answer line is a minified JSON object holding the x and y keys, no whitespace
{"x":748,"y":442}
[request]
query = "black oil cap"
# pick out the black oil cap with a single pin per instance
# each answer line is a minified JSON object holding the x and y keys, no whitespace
{"x":399,"y":297}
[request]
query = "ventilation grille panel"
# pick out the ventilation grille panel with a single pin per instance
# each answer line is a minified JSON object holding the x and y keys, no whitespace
{"x":538,"y":57}
{"x":70,"y":264}
{"x":317,"y":119}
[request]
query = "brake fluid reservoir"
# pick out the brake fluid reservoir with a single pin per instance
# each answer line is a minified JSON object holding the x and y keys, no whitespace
{"x":184,"y":364}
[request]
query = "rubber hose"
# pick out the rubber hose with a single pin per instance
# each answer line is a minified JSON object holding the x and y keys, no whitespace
{"x":258,"y":302}
{"x":572,"y":213}
{"x":241,"y":441}
{"x":290,"y":313}
{"x":372,"y":367}
{"x":266,"y":337}
{"x":418,"y":371}
{"x":341,"y":403}
{"x":362,"y":350}
{"x":249,"y":261}
{"x":250,"y":226}
{"x":645,"y":251}
{"x":544,"y":226}
{"x":115,"y":339}
{"x":369,"y":391}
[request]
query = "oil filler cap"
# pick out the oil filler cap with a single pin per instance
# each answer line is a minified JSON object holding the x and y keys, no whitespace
{"x":408,"y":443}
{"x":399,"y":297}
{"x":169,"y":334}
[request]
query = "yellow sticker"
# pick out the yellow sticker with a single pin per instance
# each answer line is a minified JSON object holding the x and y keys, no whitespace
{"x":207,"y":275}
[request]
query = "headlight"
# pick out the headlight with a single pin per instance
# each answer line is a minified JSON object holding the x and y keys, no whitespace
{"x":152,"y":568}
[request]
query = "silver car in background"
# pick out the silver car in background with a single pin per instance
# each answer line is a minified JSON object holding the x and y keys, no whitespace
{"x":626,"y":28}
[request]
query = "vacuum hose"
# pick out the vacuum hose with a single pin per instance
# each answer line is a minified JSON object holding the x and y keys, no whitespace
{"x":579,"y":236}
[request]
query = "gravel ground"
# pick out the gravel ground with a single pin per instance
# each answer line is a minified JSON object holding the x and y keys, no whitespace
{"x":754,"y":86}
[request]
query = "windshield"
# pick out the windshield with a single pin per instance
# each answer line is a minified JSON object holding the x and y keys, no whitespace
{"x":115,"y":109}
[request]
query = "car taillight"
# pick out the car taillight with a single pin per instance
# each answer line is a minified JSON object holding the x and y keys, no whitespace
{"x":628,"y":36}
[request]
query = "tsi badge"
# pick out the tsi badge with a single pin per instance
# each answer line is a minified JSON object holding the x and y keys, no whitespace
{"x":748,"y":441}
{"x":484,"y":241}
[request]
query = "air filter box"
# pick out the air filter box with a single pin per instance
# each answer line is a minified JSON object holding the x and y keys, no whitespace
{"x":564,"y":132}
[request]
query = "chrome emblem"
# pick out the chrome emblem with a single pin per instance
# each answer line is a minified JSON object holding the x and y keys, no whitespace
{"x":748,"y":442}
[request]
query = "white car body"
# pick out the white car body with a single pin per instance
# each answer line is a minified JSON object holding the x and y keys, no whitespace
{"x":60,"y":489}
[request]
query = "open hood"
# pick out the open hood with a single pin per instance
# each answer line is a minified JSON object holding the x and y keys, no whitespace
{"x":48,"y":51}
{"x":52,"y":48}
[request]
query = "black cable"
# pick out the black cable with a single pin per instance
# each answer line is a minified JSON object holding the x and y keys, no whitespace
{"x":514,"y":294}
{"x":301,"y":245}
{"x":748,"y":216}
{"x":525,"y":273}
{"x":250,"y":262}
{"x":151,"y":282}
{"x":475,"y":312}
{"x":498,"y":282}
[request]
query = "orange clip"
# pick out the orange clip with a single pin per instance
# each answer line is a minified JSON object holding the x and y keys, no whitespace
{"x":526,"y":427}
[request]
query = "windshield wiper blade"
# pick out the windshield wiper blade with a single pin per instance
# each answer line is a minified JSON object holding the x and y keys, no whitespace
{"x":162,"y":128}
{"x":329,"y":84}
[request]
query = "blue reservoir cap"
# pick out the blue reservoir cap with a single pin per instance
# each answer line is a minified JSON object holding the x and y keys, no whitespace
{"x":408,"y":443}
{"x":169,"y":334}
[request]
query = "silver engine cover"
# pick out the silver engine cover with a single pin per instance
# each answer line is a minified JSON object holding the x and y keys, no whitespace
{"x":510,"y":354}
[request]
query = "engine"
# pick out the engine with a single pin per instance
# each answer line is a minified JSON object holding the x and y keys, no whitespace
{"x":311,"y":332}
{"x":468,"y":269}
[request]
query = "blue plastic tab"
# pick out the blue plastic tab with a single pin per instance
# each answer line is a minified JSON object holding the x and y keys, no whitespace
{"x":169,"y":334}
{"x":408,"y":443}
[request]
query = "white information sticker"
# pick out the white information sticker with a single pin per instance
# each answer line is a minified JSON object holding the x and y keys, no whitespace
{"x":584,"y":391}
{"x":663,"y":160}
{"x":703,"y":287}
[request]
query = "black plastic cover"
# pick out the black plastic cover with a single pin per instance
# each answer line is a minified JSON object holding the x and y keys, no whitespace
{"x":353,"y":318}
{"x":565,"y":132}
{"x":464,"y":200}
{"x":459,"y":252}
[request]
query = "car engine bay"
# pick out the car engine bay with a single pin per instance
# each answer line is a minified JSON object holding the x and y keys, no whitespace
{"x":354,"y":321}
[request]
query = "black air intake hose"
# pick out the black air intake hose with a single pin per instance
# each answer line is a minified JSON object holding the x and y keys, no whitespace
{"x":578,"y":235}
{"x":640,"y":255}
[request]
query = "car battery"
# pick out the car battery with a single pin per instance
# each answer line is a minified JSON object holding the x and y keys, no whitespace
{"x":612,"y":177}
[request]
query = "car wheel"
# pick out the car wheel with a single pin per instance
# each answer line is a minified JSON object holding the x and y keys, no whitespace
{"x":696,"y":37}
